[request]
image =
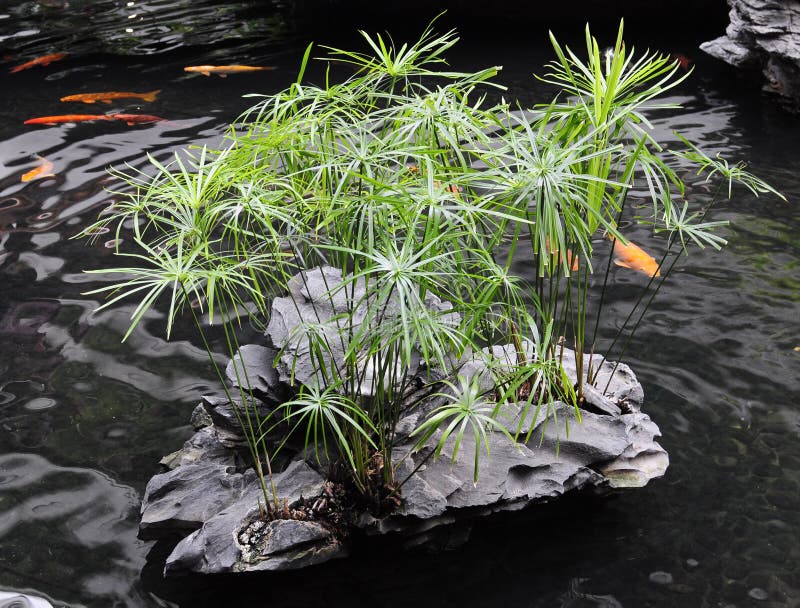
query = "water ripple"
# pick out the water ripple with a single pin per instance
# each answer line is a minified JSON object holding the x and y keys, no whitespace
{"x":141,"y":27}
{"x":84,"y":512}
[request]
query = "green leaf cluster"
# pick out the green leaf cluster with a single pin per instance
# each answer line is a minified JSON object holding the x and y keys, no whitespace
{"x":407,"y":180}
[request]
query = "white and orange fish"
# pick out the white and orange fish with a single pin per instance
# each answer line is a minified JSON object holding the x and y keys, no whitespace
{"x":43,"y":170}
{"x":634,"y":257}
{"x":224,"y":70}
{"x":107,"y":97}
{"x":43,"y":60}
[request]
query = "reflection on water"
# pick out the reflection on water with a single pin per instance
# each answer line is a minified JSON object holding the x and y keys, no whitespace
{"x":136,"y":26}
{"x":84,"y":418}
{"x":50,"y":514}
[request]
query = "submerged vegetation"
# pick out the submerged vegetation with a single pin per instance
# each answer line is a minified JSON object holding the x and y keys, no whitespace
{"x":421,"y":194}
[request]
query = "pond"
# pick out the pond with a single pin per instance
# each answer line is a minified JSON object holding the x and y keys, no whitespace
{"x":84,"y":418}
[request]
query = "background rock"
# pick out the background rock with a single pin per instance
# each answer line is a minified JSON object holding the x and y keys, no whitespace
{"x":764,"y":35}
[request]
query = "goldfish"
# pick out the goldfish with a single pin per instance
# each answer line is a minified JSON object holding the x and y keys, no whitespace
{"x":451,"y":188}
{"x":132,"y":119}
{"x":572,"y":259}
{"x":43,"y":60}
{"x":107,"y":97}
{"x":682,"y":60}
{"x":52,"y":120}
{"x":224,"y":70}
{"x":40,"y":172}
{"x":634,"y":257}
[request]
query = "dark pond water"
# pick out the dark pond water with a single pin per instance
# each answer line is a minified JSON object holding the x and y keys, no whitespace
{"x":84,"y":419}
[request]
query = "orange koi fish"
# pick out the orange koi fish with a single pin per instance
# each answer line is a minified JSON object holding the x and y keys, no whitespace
{"x":634,"y":257}
{"x":107,"y":97}
{"x":43,"y":60}
{"x":52,"y":120}
{"x":451,"y":188}
{"x":40,"y":172}
{"x":572,"y":259}
{"x":224,"y":70}
{"x":132,"y":119}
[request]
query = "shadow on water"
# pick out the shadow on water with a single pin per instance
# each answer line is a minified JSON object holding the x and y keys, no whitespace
{"x":84,"y":419}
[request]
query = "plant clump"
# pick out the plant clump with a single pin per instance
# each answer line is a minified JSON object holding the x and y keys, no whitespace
{"x":387,"y":214}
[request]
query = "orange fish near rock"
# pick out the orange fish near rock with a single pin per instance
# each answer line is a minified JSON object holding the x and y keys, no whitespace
{"x":40,"y":172}
{"x":634,"y":257}
{"x":43,"y":60}
{"x":133,"y":119}
{"x":224,"y":70}
{"x":107,"y":97}
{"x":52,"y":120}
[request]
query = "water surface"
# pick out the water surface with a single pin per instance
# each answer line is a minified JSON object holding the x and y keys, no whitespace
{"x":84,"y":418}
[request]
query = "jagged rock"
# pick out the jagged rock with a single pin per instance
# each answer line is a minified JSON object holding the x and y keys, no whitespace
{"x":204,"y":445}
{"x":551,"y":463}
{"x":596,"y":399}
{"x":217,"y":546}
{"x":316,"y":306}
{"x":323,"y":287}
{"x":187,"y":496}
{"x":227,"y":418}
{"x":324,"y":309}
{"x":764,"y":35}
{"x":559,"y":450}
{"x":597,"y":454}
{"x":285,"y":544}
{"x":642,"y":460}
{"x":200,"y":418}
{"x":490,"y":363}
{"x":615,"y":381}
{"x":252,"y":369}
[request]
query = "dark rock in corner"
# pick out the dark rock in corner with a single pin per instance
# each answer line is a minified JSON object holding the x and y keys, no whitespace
{"x":764,"y":35}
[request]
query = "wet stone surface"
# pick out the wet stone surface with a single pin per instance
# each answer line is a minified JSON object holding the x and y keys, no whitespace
{"x":209,"y":493}
{"x":764,"y":35}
